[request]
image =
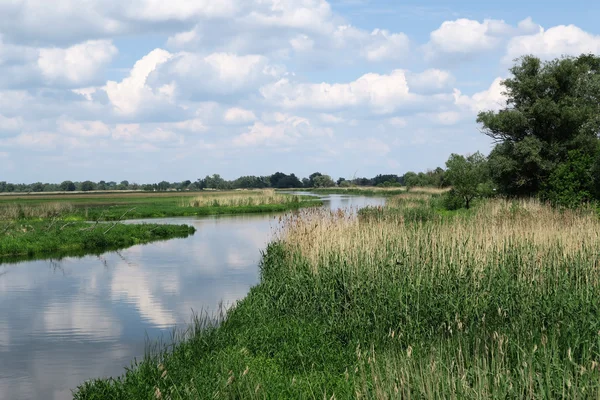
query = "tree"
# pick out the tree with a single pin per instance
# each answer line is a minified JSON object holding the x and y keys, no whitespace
{"x":124,"y":185}
{"x":552,"y":109}
{"x":279,"y":180}
{"x":312,"y":177}
{"x":163,"y":186}
{"x":88,"y":186}
{"x":67,"y":186}
{"x":411,"y":180}
{"x":467,"y":175}
{"x":323,"y":181}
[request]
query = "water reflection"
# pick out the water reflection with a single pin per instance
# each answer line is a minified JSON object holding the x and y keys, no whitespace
{"x":64,"y":321}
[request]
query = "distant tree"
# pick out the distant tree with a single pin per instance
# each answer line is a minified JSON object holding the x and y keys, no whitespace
{"x":468,"y":176}
{"x":163,"y":186}
{"x":88,"y":186}
{"x":67,"y":186}
{"x":147,"y":187}
{"x":279,"y":180}
{"x":411,"y":179}
{"x":312,"y":177}
{"x":10,"y":187}
{"x":382,"y":179}
{"x":339,"y":181}
{"x":102,"y":186}
{"x":3,"y":185}
{"x":124,"y":185}
{"x":323,"y":181}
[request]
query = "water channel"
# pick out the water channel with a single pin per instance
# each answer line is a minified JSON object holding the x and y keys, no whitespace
{"x":65,"y":321}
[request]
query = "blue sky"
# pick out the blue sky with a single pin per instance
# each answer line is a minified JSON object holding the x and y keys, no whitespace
{"x":148,"y":90}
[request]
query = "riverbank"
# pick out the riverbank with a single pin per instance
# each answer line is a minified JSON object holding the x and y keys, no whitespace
{"x":118,"y":206}
{"x":376,"y":191}
{"x":500,"y":301}
{"x":59,"y":238}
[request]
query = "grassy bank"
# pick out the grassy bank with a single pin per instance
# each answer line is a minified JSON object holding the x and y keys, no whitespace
{"x":376,"y":191}
{"x":115,"y":206}
{"x":499,"y":302}
{"x":56,"y":238}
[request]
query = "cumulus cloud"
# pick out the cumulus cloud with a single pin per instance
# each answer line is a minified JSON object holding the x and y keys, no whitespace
{"x":132,"y":94}
{"x":464,"y":37}
{"x":196,"y":76}
{"x":77,"y":65}
{"x":430,"y":81}
{"x":554,"y":42}
{"x":287,"y":131}
{"x":490,"y":99}
{"x":380,"y":93}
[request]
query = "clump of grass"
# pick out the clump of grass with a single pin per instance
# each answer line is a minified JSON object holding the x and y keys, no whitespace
{"x":499,"y":302}
{"x":242,"y":199}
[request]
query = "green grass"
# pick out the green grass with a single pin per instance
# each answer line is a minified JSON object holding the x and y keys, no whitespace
{"x":58,"y":238}
{"x":92,"y":207}
{"x":500,"y":302}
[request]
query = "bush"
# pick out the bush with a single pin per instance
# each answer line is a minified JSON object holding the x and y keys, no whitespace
{"x":452,"y":201}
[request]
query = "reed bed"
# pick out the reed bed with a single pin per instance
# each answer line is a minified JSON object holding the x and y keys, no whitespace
{"x":14,"y":211}
{"x":403,"y":301}
{"x":242,"y":199}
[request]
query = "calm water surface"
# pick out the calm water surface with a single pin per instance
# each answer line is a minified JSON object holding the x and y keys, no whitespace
{"x":65,"y":321}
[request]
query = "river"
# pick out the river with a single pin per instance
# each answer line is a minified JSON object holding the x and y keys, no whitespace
{"x":65,"y":321}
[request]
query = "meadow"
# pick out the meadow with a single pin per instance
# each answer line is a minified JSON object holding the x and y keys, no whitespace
{"x":405,"y":301}
{"x":136,"y":205}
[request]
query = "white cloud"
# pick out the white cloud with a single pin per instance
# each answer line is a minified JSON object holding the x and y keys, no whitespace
{"x":465,"y":36}
{"x":77,"y":65}
{"x":430,"y":81}
{"x":132,"y":93}
{"x":289,"y":130}
{"x":490,"y":99}
{"x":554,"y":42}
{"x":216,"y":74}
{"x":380,"y":93}
{"x":237,"y":115}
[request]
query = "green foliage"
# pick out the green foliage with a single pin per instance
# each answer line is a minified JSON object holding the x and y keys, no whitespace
{"x":571,"y":182}
{"x":553,"y":109}
{"x":468,"y":177}
{"x":88,"y":186}
{"x":67,"y":186}
{"x":452,"y":201}
{"x":63,"y":238}
{"x":323,"y":181}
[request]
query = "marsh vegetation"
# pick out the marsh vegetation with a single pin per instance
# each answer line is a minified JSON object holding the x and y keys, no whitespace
{"x":405,"y":300}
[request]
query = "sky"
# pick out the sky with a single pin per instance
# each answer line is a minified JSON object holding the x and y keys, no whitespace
{"x":151,"y":90}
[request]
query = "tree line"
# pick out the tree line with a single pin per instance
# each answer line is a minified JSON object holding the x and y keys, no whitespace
{"x":278,"y":180}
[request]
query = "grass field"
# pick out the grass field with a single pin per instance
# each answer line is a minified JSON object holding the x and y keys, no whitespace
{"x":406,"y":301}
{"x":115,"y":206}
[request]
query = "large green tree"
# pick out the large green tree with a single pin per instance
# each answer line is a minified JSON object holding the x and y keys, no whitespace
{"x":552,"y":114}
